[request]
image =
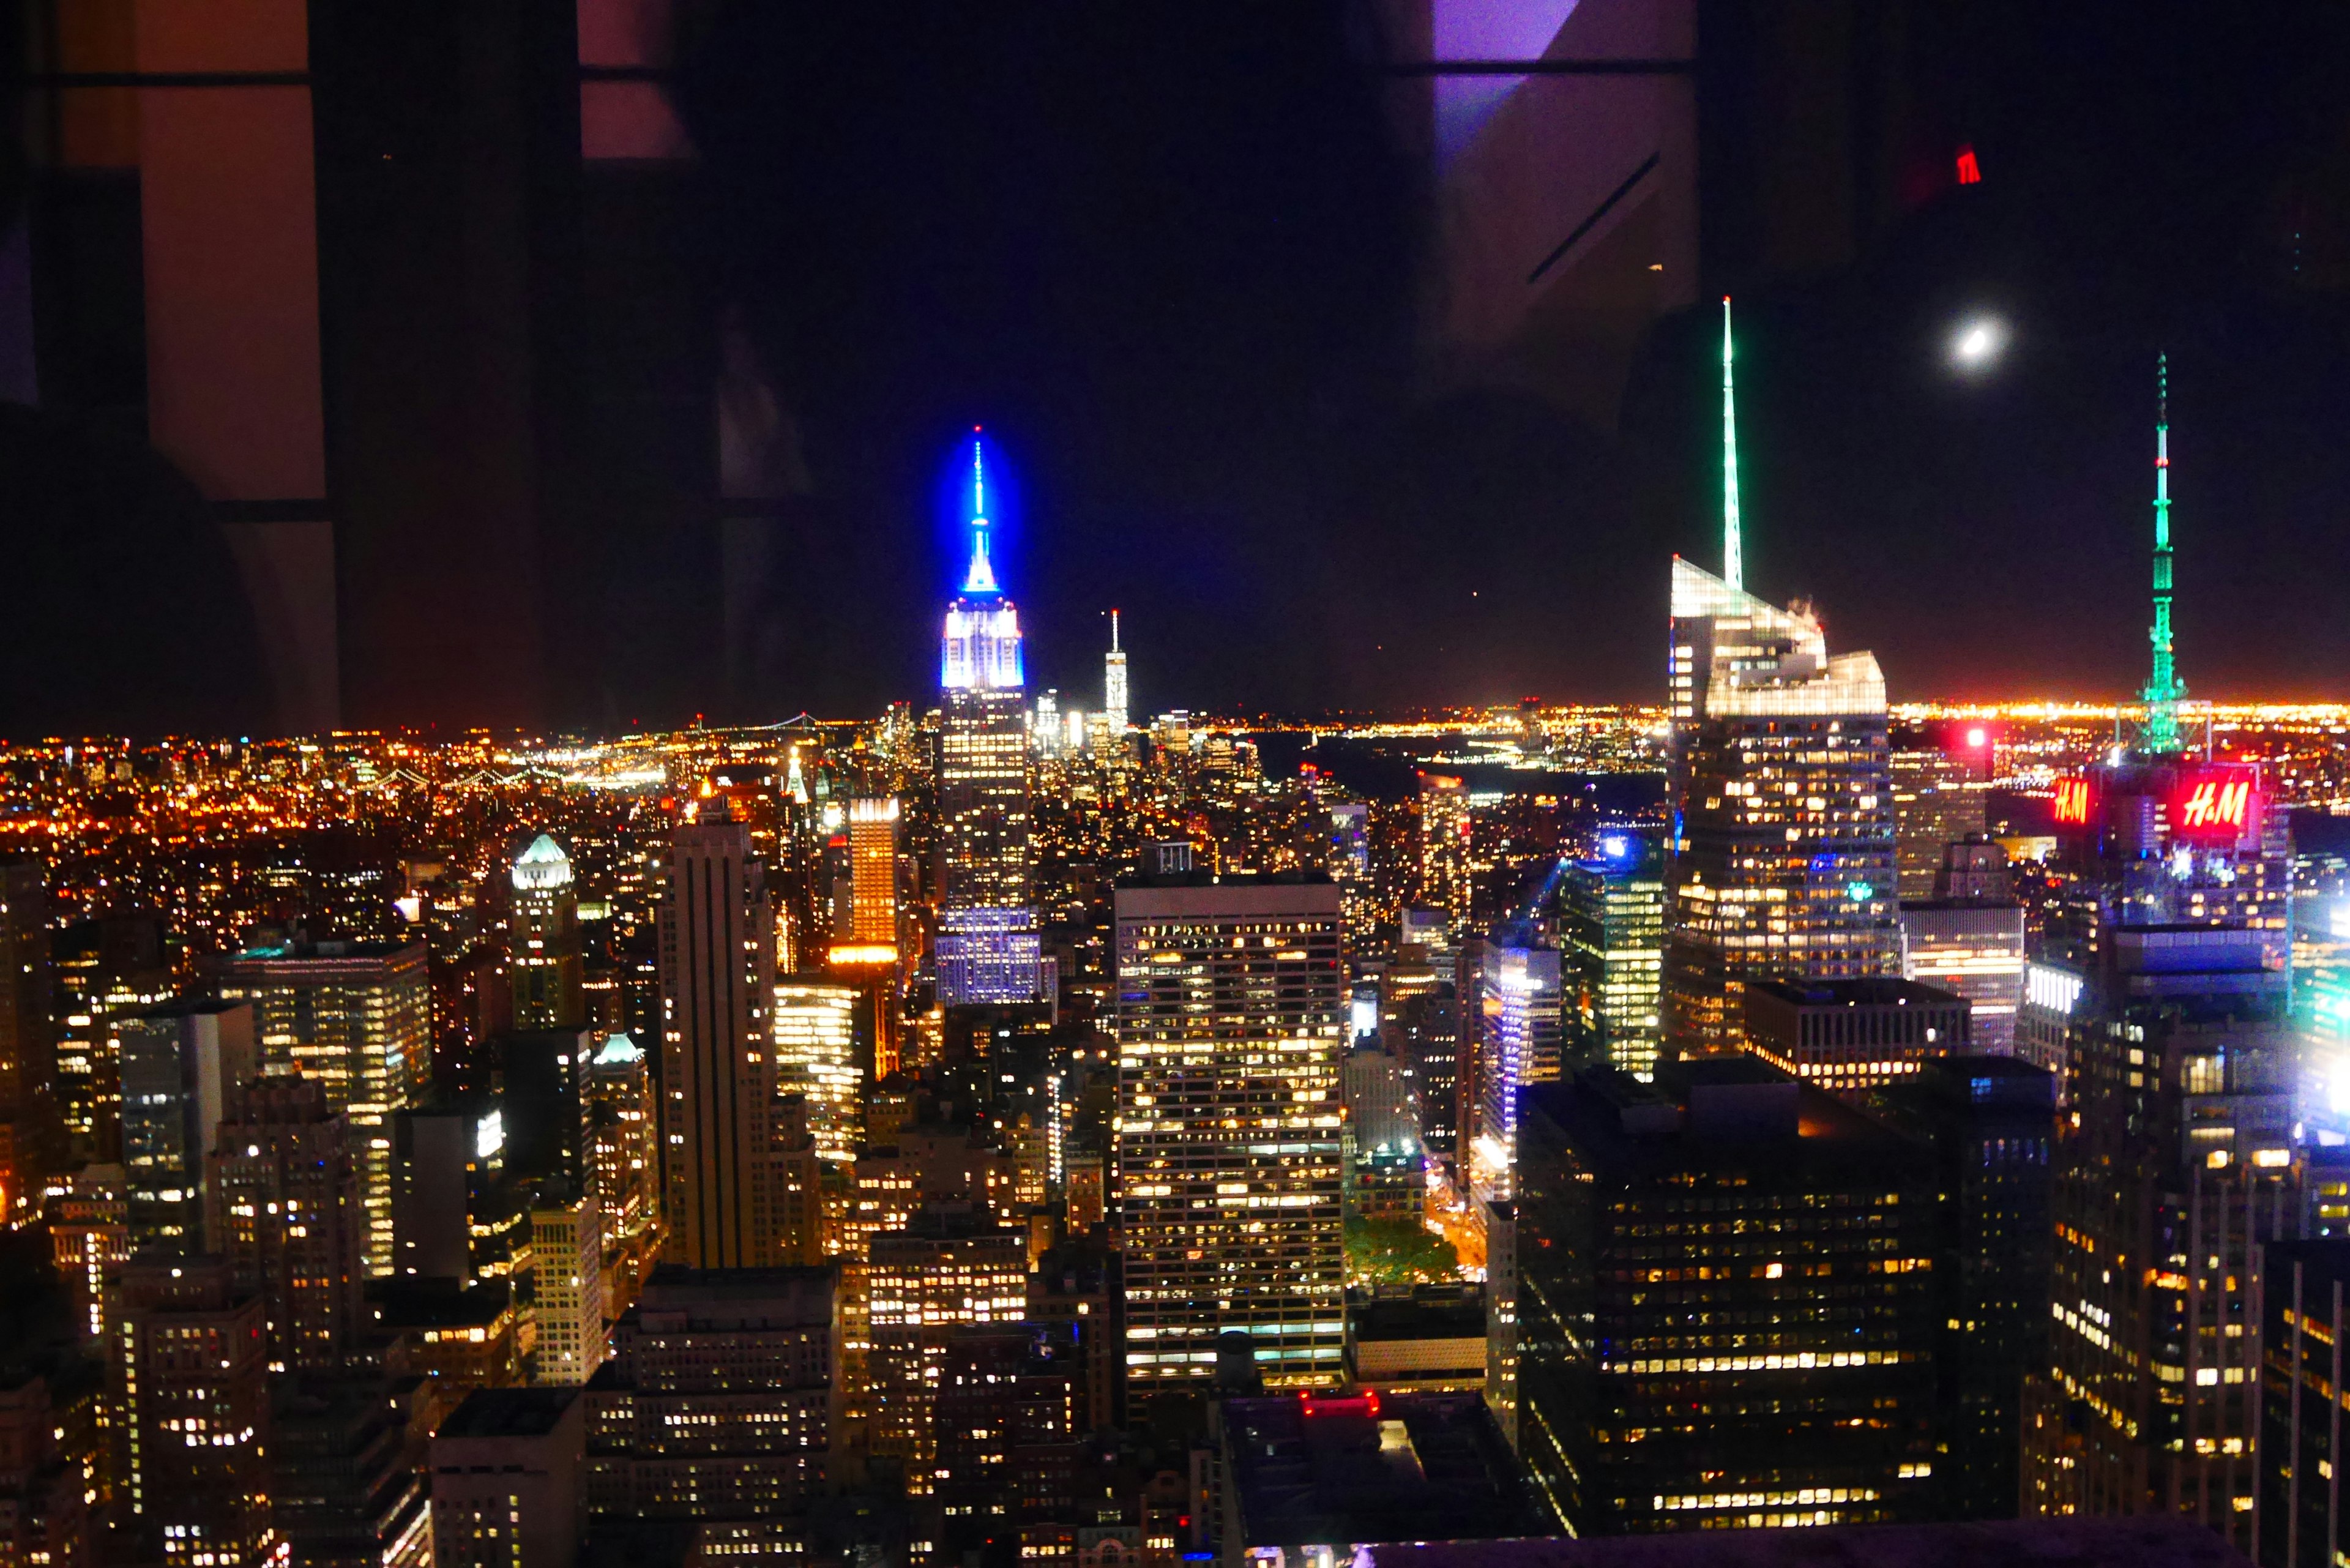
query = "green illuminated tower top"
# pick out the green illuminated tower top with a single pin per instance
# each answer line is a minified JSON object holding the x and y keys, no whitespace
{"x":2163,"y":687}
{"x":1733,"y":549}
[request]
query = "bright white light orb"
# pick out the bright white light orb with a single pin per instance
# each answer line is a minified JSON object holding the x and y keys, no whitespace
{"x":1978,"y":343}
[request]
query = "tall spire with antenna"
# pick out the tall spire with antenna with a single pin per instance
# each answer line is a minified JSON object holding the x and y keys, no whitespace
{"x":1733,"y":549}
{"x":2163,"y":687}
{"x":980,"y":578}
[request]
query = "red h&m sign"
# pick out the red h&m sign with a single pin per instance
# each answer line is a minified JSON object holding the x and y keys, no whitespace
{"x":2073,"y":802}
{"x":2215,"y":803}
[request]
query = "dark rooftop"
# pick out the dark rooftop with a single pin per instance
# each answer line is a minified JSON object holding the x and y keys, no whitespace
{"x":1878,"y":991}
{"x":508,"y":1413}
{"x":2143,"y":1543}
{"x":1395,"y":1466}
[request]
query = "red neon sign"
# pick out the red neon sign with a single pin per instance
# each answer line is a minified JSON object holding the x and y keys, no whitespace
{"x":1969,"y":171}
{"x":2073,"y":802}
{"x":2218,"y":803}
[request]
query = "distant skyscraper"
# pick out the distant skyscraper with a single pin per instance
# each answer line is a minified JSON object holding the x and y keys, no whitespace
{"x":543,"y":946}
{"x":103,"y":969}
{"x":626,"y":1123}
{"x":1518,"y":1045}
{"x":357,"y":1017}
{"x":816,"y":1027}
{"x":1936,"y":802}
{"x":873,"y":881}
{"x":1114,"y":691}
{"x":1969,"y":937}
{"x":1780,"y":859}
{"x":1611,"y":923}
{"x":287,"y":1217}
{"x":1231,"y":1018}
{"x":27,"y":1065}
{"x":988,"y":945}
{"x":1444,"y":876}
{"x":718,"y":1084}
{"x":181,"y":1063}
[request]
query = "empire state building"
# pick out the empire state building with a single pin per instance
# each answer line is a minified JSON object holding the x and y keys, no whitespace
{"x":989,"y":950}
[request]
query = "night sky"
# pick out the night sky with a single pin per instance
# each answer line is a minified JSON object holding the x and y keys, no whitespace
{"x":1171,"y":267}
{"x":1172,"y":256}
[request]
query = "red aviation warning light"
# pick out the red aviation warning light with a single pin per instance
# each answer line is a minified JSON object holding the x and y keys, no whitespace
{"x":2075,"y":801}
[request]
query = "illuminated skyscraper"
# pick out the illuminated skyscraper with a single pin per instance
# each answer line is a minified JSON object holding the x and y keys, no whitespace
{"x":2161,"y":1003}
{"x":567,"y":1248}
{"x":718,"y":1084}
{"x":950,"y":1269}
{"x":1969,"y":937}
{"x":624,"y":1125}
{"x":1114,"y":695}
{"x":1782,"y":855}
{"x":1612,"y":935}
{"x":1444,"y":878}
{"x":1231,"y":1018}
{"x":873,"y":881}
{"x":543,"y":944}
{"x":988,"y":945}
{"x":1936,"y":802}
{"x":1517,"y":1047}
{"x":817,"y":1055}
{"x":357,"y":1017}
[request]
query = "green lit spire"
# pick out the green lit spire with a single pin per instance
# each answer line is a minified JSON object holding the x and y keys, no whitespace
{"x":1733,"y":549}
{"x":2163,"y":687}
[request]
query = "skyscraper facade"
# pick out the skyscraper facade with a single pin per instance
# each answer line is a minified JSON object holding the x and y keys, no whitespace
{"x":2164,"y":1004}
{"x":1115,"y":716}
{"x":1445,"y":882}
{"x":285,"y":1197}
{"x":1725,"y":1304}
{"x":27,"y":1065}
{"x":544,"y":964}
{"x":817,"y":1055}
{"x":988,"y":947}
{"x":1231,"y":1017}
{"x":181,"y":1065}
{"x":357,"y":1017}
{"x":1611,"y":926}
{"x":718,"y":1089}
{"x":873,"y":879}
{"x":193,"y":1393}
{"x":1518,"y":1045}
{"x":1968,"y":937}
{"x":1780,"y":859}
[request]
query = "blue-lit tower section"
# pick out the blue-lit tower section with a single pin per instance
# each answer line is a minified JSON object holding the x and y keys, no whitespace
{"x":988,"y":951}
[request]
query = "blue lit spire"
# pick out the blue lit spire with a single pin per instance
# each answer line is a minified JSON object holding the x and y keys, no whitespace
{"x":980,"y":577}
